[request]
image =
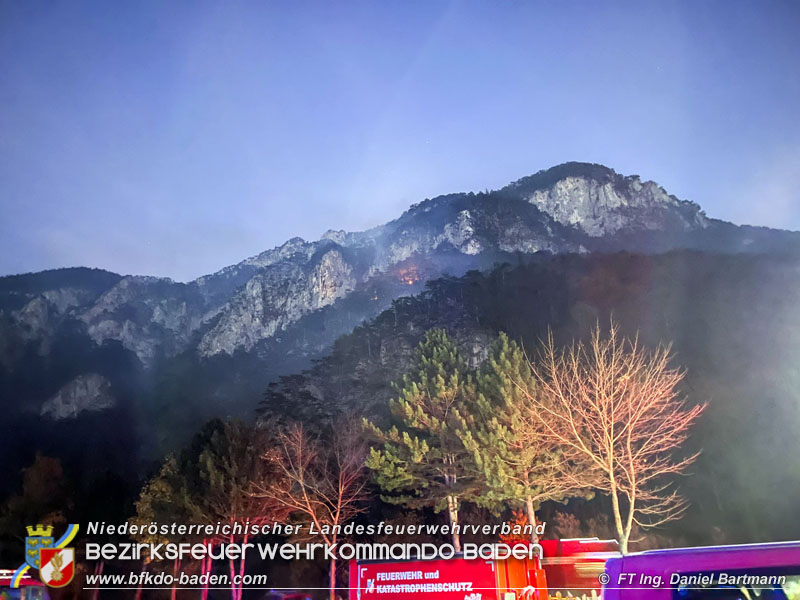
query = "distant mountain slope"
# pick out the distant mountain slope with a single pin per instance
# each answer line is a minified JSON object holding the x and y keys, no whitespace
{"x":18,"y":290}
{"x":273,"y":313}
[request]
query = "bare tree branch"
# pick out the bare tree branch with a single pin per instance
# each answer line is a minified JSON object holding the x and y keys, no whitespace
{"x":614,"y":410}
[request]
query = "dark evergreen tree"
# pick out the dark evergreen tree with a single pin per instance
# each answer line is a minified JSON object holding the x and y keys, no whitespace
{"x":420,"y":460}
{"x":519,"y":465}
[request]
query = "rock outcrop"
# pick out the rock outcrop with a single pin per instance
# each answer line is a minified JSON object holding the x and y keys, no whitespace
{"x":278,"y":296}
{"x":86,"y":393}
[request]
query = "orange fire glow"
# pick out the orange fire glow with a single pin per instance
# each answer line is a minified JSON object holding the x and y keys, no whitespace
{"x":408,"y":275}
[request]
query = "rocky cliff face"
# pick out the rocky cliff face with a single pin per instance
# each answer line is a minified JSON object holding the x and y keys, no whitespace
{"x":90,"y":392}
{"x":600,"y":202}
{"x":278,"y":296}
{"x":602,"y":208}
{"x":146,"y":314}
{"x":575,"y":207}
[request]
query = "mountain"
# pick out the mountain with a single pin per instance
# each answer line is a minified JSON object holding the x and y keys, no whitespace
{"x":75,"y":342}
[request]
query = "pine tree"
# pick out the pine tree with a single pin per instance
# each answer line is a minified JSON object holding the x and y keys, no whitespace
{"x":421,"y":460}
{"x":520,"y":466}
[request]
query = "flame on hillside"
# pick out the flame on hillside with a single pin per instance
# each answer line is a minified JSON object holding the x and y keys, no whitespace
{"x":408,"y":275}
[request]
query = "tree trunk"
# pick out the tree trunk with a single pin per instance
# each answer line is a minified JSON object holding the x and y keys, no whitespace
{"x":138,"y":595}
{"x":629,"y":521}
{"x":531,"y":518}
{"x":241,"y":569}
{"x":623,"y":538}
{"x":332,"y":579}
{"x":232,"y":571}
{"x":452,"y":513}
{"x":205,"y":568}
{"x":98,"y":570}
{"x":175,"y":567}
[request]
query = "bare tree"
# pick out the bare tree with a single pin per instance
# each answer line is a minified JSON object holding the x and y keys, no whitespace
{"x":322,"y":481}
{"x":614,"y":410}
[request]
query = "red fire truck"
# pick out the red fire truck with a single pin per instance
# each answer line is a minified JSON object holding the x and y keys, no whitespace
{"x":567,"y":568}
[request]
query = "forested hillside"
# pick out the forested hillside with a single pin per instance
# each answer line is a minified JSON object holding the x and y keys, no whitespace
{"x":733,"y":323}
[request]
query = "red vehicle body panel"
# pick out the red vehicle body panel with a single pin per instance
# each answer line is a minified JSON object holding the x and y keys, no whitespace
{"x":453,"y":579}
{"x":568,"y":566}
{"x":572,"y":567}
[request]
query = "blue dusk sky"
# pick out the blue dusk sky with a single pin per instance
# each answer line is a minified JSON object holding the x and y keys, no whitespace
{"x":174,"y":138}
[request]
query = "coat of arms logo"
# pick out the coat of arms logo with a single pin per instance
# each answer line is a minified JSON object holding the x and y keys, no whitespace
{"x":58,"y":566}
{"x":55,"y":562}
{"x":39,"y":537}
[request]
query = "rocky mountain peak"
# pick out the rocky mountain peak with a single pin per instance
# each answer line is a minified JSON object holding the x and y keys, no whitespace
{"x":336,"y":235}
{"x":599,"y":201}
